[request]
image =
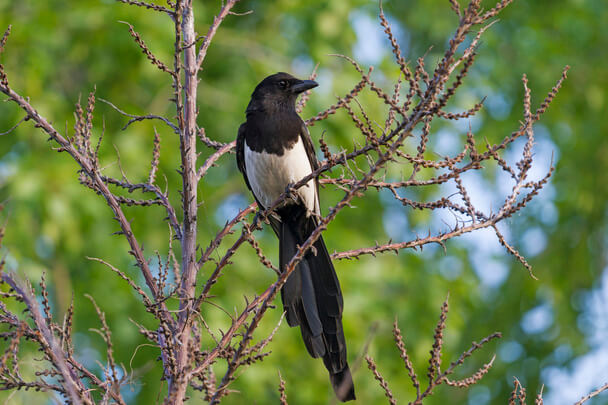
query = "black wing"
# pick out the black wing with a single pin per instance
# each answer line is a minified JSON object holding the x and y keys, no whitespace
{"x":308,"y":146}
{"x":312,"y":157}
{"x":240,"y":153}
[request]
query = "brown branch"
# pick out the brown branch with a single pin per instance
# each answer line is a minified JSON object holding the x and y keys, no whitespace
{"x":155,"y":159}
{"x":341,"y":103}
{"x":371,"y":364}
{"x":146,"y":51}
{"x":161,"y":197}
{"x":282,"y":393}
{"x":217,"y":20}
{"x":106,"y":334}
{"x":14,"y":126}
{"x":405,"y":357}
{"x":131,"y":283}
{"x":306,"y":95}
{"x":136,"y":118}
{"x":93,"y":173}
{"x":474,"y":379}
{"x":208,"y":141}
{"x":435,"y":359}
{"x":518,"y":393}
{"x":513,"y":251}
{"x":226,"y":230}
{"x":592,"y":394}
{"x":5,"y":38}
{"x":149,"y":6}
{"x":210,"y":162}
{"x":75,"y":390}
{"x":179,"y":382}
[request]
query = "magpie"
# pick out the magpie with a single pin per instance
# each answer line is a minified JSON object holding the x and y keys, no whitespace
{"x":274,"y":151}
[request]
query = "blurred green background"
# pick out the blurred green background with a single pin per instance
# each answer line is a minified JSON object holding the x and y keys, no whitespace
{"x":554,"y":329}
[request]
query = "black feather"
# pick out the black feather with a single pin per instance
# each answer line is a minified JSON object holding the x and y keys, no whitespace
{"x":315,"y":271}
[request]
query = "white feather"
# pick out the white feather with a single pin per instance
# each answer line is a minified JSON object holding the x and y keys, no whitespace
{"x":270,"y":174}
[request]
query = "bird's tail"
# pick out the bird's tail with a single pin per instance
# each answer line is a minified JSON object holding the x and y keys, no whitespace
{"x":313,"y":300}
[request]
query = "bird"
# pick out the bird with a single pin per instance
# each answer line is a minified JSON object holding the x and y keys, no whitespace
{"x":274,"y":151}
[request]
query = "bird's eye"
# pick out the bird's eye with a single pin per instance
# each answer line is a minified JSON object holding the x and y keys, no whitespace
{"x":283,"y":83}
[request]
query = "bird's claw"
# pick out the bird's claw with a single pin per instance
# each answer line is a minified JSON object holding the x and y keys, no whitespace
{"x":290,"y":192}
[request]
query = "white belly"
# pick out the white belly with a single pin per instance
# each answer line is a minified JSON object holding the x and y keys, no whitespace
{"x":270,"y":174}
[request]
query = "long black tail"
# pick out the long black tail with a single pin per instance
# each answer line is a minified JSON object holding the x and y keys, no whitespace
{"x":313,"y":300}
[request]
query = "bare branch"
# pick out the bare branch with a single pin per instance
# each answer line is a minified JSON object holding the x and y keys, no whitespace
{"x":14,"y":126}
{"x":155,"y":158}
{"x":210,"y":162}
{"x":406,"y":359}
{"x":217,"y":20}
{"x":5,"y":38}
{"x":592,"y":394}
{"x":371,"y":364}
{"x":146,"y":51}
{"x":416,"y":97}
{"x":149,"y":6}
{"x":75,"y":390}
{"x":283,"y":398}
{"x":135,"y":118}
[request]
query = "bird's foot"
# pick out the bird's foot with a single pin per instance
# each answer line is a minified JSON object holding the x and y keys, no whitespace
{"x":290,"y":192}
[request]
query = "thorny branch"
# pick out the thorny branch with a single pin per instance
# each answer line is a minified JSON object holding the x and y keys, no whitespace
{"x":435,"y":375}
{"x":55,"y":342}
{"x":416,"y":101}
{"x":592,"y":394}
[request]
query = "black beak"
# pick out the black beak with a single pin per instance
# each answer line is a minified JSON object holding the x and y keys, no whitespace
{"x":303,"y":85}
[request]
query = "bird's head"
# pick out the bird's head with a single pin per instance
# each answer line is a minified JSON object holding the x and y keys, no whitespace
{"x":278,"y":92}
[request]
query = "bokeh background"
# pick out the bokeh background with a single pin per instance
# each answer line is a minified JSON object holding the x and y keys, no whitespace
{"x":555,"y":329}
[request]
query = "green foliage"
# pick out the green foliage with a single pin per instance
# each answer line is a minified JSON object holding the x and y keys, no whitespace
{"x":59,"y":51}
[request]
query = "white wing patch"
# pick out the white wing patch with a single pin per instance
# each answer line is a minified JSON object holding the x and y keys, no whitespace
{"x":269,"y":175}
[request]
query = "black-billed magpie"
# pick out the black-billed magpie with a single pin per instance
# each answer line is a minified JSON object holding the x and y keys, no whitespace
{"x":274,"y":150}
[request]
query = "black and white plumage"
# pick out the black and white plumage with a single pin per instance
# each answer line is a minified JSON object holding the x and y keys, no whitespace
{"x":274,"y":150}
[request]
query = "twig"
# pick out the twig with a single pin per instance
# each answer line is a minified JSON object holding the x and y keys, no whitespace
{"x":592,"y":394}
{"x":135,"y":118}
